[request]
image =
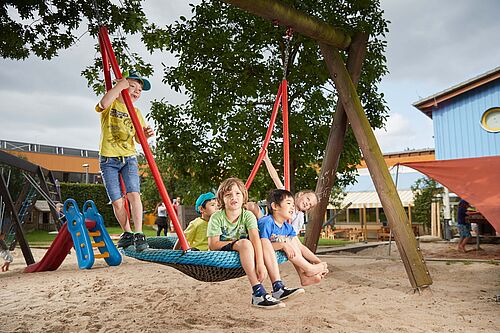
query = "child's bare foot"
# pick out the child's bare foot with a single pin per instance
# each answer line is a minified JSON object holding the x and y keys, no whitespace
{"x":310,"y":280}
{"x":315,"y":269}
{"x":461,"y":249}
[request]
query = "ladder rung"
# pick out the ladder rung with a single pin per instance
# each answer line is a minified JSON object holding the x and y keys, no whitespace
{"x":95,"y":233}
{"x":102,"y":255}
{"x":98,"y":244}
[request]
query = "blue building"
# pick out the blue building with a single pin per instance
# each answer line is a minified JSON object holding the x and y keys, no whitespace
{"x":466,"y":117}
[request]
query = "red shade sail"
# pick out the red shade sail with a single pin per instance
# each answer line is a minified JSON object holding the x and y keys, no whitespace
{"x":476,"y":180}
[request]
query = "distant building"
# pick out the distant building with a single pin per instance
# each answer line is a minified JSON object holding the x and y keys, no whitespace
{"x":466,"y":117}
{"x":364,"y":207}
{"x":68,"y":164}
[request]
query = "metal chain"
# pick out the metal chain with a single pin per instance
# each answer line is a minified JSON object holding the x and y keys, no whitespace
{"x":288,"y":38}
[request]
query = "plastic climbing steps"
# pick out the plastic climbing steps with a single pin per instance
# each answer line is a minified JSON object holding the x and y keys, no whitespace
{"x":88,"y":233}
{"x":84,"y":232}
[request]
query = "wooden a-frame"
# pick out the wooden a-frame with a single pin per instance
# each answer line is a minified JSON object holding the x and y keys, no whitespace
{"x":331,"y":40}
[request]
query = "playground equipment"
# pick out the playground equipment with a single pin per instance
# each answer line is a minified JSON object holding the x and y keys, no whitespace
{"x":207,"y":266}
{"x":76,"y":233}
{"x":40,"y":181}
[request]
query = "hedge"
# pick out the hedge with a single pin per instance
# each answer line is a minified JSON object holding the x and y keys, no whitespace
{"x":95,"y":192}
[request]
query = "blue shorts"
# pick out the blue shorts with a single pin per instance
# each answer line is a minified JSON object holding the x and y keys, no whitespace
{"x":464,"y":230}
{"x":112,"y":168}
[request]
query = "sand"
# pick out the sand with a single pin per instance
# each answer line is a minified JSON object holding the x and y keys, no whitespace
{"x":361,"y":294}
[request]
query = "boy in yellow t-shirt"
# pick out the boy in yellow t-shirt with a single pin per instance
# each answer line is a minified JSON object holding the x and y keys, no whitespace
{"x":117,"y":155}
{"x":196,"y":232}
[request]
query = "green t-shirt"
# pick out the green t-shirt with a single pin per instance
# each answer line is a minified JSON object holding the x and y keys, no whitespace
{"x":196,"y":234}
{"x":219,"y":225}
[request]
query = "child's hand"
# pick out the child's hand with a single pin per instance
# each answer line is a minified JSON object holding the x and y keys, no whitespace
{"x":122,"y":84}
{"x":289,"y":251}
{"x":148,"y":131}
{"x":261,"y":272}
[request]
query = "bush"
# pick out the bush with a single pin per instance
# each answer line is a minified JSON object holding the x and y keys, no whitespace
{"x":95,"y":192}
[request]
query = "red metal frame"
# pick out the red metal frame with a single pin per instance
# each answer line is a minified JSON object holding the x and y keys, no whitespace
{"x":108,"y":54}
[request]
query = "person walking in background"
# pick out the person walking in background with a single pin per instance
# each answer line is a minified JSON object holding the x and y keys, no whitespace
{"x":162,"y":220}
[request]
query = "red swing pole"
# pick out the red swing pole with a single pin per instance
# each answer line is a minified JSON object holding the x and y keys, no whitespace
{"x":103,"y":32}
{"x":266,"y":139}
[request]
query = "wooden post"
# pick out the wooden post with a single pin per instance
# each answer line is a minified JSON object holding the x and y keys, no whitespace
{"x":287,"y":16}
{"x":334,"y":145}
{"x":398,"y":221}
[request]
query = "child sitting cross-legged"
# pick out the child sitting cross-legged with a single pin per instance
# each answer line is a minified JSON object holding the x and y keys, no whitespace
{"x":277,"y":234}
{"x":235,"y":229}
{"x":196,"y":232}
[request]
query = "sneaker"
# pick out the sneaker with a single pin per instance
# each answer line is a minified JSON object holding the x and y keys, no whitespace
{"x":126,"y":240}
{"x":140,"y":242}
{"x":266,"y":301}
{"x":287,"y":293}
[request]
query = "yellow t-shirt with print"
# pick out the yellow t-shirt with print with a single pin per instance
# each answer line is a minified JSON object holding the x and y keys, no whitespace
{"x":196,"y":234}
{"x":117,"y":130}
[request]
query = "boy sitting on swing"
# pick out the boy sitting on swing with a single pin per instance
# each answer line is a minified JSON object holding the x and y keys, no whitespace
{"x":277,"y":234}
{"x":235,"y":229}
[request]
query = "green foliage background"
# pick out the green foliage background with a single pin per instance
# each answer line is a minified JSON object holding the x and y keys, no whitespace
{"x":424,"y":190}
{"x":95,"y":192}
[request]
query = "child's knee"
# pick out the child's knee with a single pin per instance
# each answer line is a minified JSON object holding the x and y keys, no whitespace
{"x":244,"y":244}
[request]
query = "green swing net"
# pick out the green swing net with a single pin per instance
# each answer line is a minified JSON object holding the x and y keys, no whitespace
{"x":208,"y":266}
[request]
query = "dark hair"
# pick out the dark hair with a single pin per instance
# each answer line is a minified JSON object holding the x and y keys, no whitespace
{"x":277,"y":197}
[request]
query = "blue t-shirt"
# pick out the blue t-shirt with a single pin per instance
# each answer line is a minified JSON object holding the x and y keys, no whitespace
{"x":272,"y":231}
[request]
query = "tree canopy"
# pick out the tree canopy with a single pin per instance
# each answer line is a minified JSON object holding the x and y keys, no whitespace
{"x":229,"y":66}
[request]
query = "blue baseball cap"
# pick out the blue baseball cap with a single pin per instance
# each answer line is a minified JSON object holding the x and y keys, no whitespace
{"x":202,"y":199}
{"x":135,"y":76}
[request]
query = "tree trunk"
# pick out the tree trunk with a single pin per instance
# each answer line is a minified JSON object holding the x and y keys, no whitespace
{"x":335,"y":144}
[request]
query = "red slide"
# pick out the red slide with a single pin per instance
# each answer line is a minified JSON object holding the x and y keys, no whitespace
{"x":56,"y":253}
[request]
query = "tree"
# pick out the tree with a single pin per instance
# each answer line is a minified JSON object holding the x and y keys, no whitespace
{"x":230,"y":66}
{"x":43,"y":28}
{"x":424,"y":190}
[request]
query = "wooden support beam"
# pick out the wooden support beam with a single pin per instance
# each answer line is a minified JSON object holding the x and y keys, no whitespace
{"x":20,"y":237}
{"x":398,"y":221}
{"x":287,"y":16}
{"x":335,"y":145}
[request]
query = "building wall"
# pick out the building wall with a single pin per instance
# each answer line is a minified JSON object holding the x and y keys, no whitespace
{"x":457,"y":124}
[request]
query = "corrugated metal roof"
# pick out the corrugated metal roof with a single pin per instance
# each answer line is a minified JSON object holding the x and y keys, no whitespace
{"x":371,"y":199}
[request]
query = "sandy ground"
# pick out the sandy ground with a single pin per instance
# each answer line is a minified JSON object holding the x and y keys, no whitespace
{"x":361,"y":294}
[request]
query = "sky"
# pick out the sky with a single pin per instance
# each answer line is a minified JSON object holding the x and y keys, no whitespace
{"x":432,"y":45}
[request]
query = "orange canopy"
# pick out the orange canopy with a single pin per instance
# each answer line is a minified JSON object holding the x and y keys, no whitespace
{"x":476,"y":180}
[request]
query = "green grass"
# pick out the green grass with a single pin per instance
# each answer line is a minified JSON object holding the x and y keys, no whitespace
{"x":39,"y":237}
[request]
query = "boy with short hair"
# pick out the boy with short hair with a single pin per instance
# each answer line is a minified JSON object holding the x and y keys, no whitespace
{"x":117,"y":156}
{"x":276,"y":234}
{"x":235,"y":229}
{"x":196,"y":232}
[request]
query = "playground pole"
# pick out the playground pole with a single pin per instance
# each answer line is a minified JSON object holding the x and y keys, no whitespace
{"x":103,"y":31}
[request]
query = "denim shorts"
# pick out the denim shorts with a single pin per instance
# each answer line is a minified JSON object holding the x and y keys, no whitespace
{"x":112,"y":168}
{"x":464,"y":230}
